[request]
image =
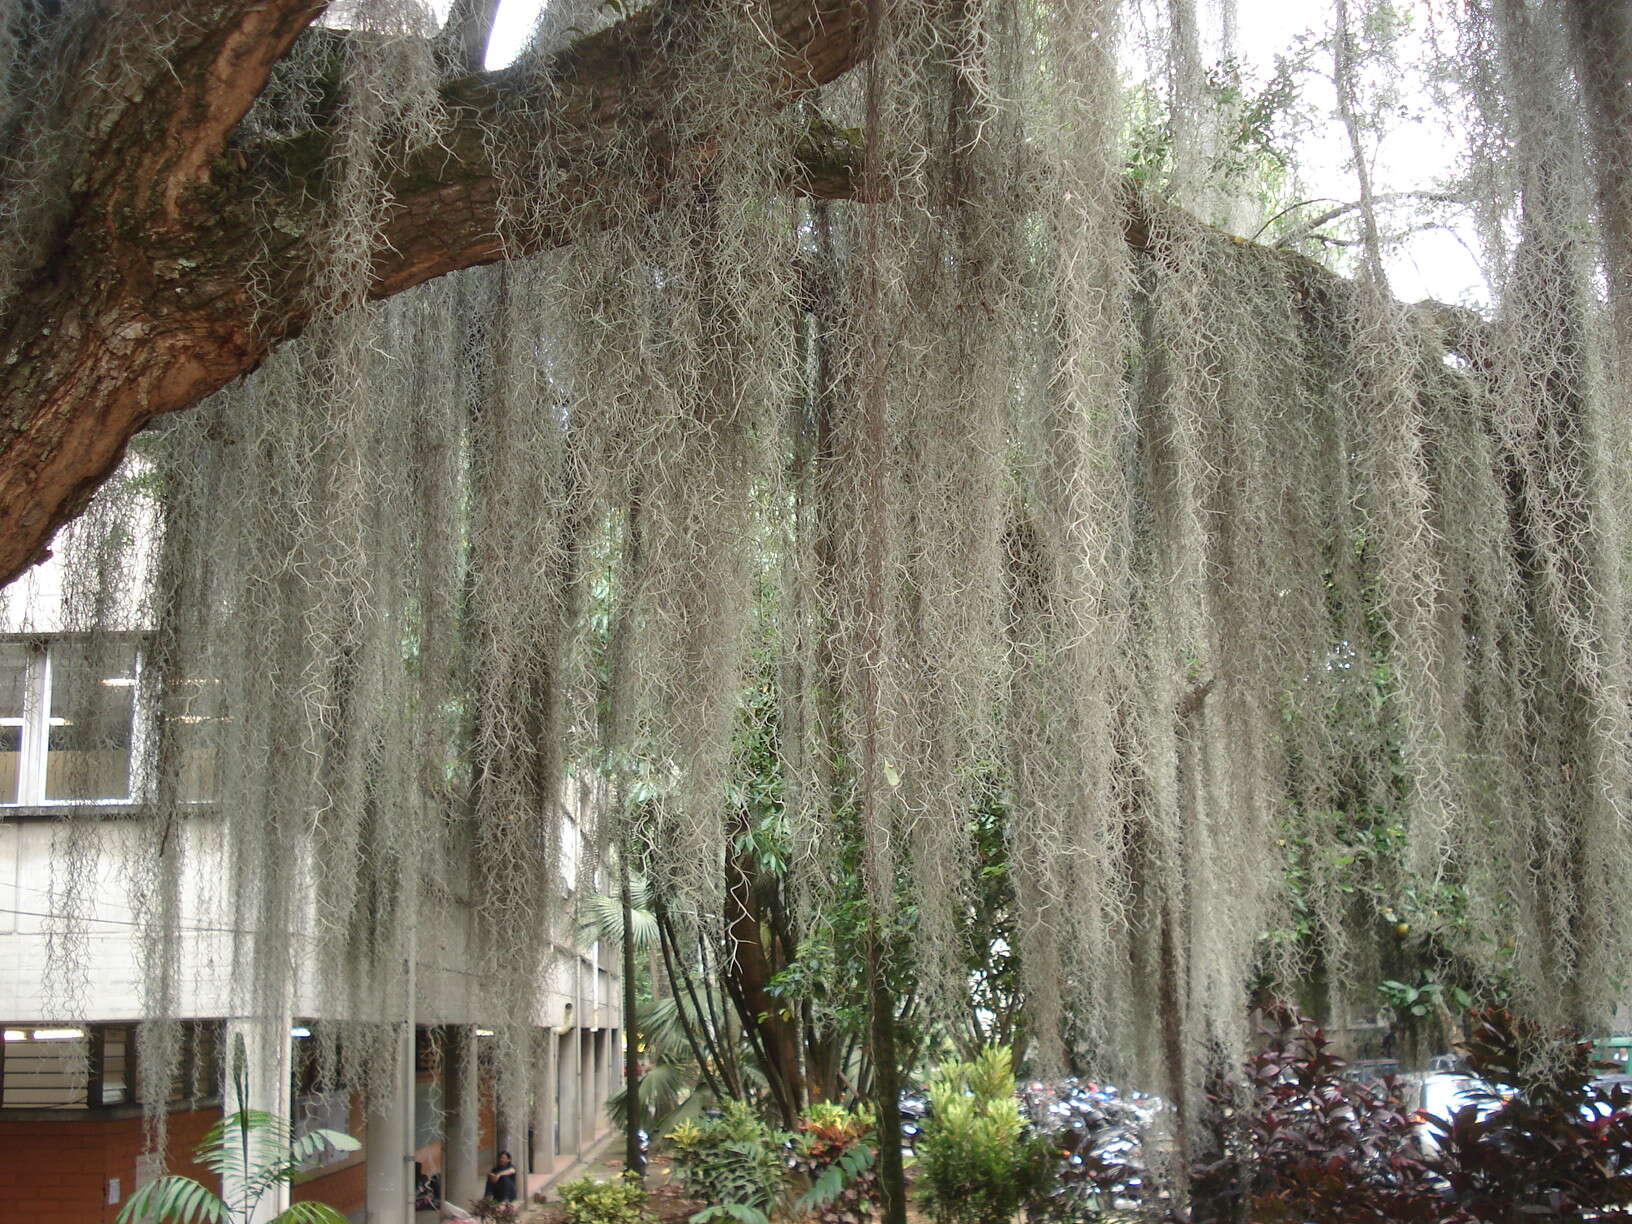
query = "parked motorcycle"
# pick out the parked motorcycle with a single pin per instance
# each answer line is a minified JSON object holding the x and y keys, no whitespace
{"x":1100,"y":1134}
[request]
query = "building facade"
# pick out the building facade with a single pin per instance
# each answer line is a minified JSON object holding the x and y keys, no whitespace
{"x":73,"y":1141}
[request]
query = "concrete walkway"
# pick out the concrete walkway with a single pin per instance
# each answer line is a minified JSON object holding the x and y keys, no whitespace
{"x":592,"y":1160}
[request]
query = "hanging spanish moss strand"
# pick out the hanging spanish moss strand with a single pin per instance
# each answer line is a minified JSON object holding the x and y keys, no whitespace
{"x":1012,"y":478}
{"x":1563,"y":465}
{"x":1068,"y":553}
{"x":1186,"y":97}
{"x":956,"y":292}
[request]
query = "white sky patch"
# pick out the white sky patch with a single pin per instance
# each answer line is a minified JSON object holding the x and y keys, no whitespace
{"x":512,"y":30}
{"x":1415,"y":154}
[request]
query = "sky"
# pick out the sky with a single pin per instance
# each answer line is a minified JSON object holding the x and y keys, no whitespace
{"x":515,"y":23}
{"x":1419,"y":151}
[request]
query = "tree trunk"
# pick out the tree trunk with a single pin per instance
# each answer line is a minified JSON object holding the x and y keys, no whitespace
{"x":749,"y":970}
{"x":892,"y":1179}
{"x":634,"y":1160}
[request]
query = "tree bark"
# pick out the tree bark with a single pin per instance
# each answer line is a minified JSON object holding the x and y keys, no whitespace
{"x":634,"y":1159}
{"x":123,"y":317}
{"x":748,"y":972}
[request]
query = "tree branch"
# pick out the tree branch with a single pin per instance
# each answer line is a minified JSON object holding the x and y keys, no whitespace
{"x":150,"y":303}
{"x":157,"y":295}
{"x":463,"y":40}
{"x":85,"y":357}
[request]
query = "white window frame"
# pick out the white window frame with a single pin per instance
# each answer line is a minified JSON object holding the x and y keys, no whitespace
{"x":34,"y":749}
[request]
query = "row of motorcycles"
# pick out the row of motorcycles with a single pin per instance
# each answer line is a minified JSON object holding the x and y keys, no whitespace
{"x":1103,"y":1136}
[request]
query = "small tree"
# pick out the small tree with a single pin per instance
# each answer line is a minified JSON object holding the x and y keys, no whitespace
{"x":251,"y":1151}
{"x":978,"y":1164}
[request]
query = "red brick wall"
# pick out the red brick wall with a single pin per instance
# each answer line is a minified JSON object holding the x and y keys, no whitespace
{"x":487,"y":1126}
{"x":57,"y":1171}
{"x":345,"y":1189}
{"x":345,"y":1186}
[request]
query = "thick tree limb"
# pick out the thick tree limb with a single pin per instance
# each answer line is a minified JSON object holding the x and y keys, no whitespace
{"x":187,"y":259}
{"x":113,"y":327}
{"x":156,"y":295}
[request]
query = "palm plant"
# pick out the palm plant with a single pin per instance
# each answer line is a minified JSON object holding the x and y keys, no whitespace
{"x":251,"y":1151}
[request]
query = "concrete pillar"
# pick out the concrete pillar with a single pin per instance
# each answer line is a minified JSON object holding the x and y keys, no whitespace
{"x":256,"y":1071}
{"x":603,"y":1078}
{"x":588,"y":1103}
{"x":544,"y":1104}
{"x":614,"y":1065}
{"x":462,"y":1181}
{"x":388,"y":1142}
{"x":567,"y":1090}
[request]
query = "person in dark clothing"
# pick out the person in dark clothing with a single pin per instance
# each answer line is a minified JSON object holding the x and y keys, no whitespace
{"x":501,"y":1180}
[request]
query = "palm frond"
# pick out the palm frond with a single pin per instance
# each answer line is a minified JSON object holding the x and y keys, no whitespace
{"x":309,"y":1213}
{"x":601,"y":919}
{"x":173,"y":1199}
{"x":663,"y":1088}
{"x":662,"y":1021}
{"x":318,"y":1141}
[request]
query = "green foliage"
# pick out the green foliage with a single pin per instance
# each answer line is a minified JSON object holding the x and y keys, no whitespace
{"x":988,"y":932}
{"x":588,"y":1201}
{"x":732,"y":1160}
{"x":1435,"y":957}
{"x":1423,"y":997}
{"x":1250,"y":155}
{"x":749,"y":1171}
{"x":730,"y":1211}
{"x":601,"y":918}
{"x":251,"y":1151}
{"x":978,"y":1163}
{"x":835,"y":1150}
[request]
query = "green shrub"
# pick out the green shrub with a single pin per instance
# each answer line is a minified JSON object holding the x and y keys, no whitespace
{"x":591,"y":1202}
{"x":834,"y":1151}
{"x":732,"y":1160}
{"x":977,"y":1162}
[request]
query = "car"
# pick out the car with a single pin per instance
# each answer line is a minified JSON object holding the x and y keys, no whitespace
{"x":1612,"y":1094}
{"x":1444,"y":1094}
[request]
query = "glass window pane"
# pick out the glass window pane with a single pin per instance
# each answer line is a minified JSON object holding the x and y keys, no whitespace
{"x":92,"y":698}
{"x":192,"y":735}
{"x":45,"y":1069}
{"x":198,"y":1070}
{"x":14,"y":657}
{"x":116,"y":1060}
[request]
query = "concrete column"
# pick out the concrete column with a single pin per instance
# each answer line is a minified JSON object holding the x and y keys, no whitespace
{"x":462,"y":1181}
{"x":588,"y":1103}
{"x":544,"y":1104}
{"x":256,"y":1071}
{"x":388,"y":1142}
{"x":603,"y":1078}
{"x":567,"y":1090}
{"x":511,"y":1118}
